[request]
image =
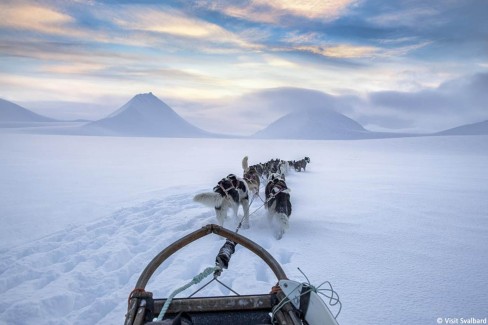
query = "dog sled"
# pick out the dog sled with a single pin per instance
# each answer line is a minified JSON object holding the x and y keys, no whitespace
{"x":288,"y":302}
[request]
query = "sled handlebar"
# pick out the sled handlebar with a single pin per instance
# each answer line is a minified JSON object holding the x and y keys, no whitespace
{"x":202,"y":232}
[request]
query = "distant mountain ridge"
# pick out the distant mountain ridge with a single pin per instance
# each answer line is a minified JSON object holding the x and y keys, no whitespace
{"x":480,"y":128}
{"x":145,"y":115}
{"x":14,"y":114}
{"x":318,"y":124}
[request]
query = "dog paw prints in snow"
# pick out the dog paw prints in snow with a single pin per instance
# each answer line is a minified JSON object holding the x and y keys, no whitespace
{"x":108,"y":256}
{"x":103,"y":256}
{"x":284,"y":256}
{"x":261,"y":271}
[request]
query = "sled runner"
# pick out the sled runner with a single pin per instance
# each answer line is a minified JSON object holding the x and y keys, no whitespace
{"x":289,"y":302}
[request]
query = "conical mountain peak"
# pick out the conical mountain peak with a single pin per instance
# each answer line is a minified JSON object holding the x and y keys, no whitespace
{"x":147,"y":115}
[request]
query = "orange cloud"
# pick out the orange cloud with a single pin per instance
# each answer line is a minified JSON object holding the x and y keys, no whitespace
{"x":271,"y":11}
{"x":35,"y":18}
{"x":178,"y":25}
{"x":328,"y":9}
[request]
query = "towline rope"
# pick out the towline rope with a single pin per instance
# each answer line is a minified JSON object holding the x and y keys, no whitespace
{"x":250,"y":214}
{"x":197,"y":279}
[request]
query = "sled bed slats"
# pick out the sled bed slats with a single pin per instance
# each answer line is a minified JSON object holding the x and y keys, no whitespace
{"x":212,"y":304}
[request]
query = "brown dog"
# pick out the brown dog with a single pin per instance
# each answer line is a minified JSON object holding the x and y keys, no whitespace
{"x":251,"y":176}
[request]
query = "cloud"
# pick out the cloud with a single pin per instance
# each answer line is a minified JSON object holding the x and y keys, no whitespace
{"x":167,"y":22}
{"x":53,"y":88}
{"x":349,"y":51}
{"x":175,"y":23}
{"x":63,"y":110}
{"x":40,"y":20}
{"x":204,"y":49}
{"x":407,"y":17}
{"x":455,"y":102}
{"x":277,"y":11}
{"x":249,"y":12}
{"x":249,"y":113}
{"x":295,"y":37}
{"x":276,"y":61}
{"x":51,"y":57}
{"x":316,"y":43}
{"x":321,"y":9}
{"x":35,"y":18}
{"x":73,"y":68}
{"x":129,"y":25}
{"x":457,"y":29}
{"x":344,"y":51}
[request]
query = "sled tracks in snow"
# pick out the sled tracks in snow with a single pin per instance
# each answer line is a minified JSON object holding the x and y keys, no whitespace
{"x":80,"y":275}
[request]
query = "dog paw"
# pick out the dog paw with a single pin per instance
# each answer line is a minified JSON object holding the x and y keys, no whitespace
{"x":279,"y":233}
{"x":284,"y":256}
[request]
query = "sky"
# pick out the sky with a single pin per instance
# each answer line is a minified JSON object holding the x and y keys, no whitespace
{"x":405,"y":65}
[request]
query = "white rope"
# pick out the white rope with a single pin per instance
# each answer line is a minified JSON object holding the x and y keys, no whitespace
{"x":195,"y":280}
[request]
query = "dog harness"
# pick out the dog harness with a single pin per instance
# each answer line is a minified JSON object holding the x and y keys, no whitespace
{"x":221,"y":186}
{"x":278,"y":186}
{"x":277,"y":189}
{"x":236,"y":183}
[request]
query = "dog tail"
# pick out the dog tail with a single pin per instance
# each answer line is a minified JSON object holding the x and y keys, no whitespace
{"x":245,"y":164}
{"x":210,"y":199}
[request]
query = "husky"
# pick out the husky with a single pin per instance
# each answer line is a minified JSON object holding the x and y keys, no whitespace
{"x":301,"y":164}
{"x":251,"y":176}
{"x":278,"y":205}
{"x":229,"y":193}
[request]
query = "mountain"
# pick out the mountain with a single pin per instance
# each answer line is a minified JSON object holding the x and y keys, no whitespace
{"x":315,"y":124}
{"x":480,"y":128}
{"x":14,"y":115}
{"x":145,"y":115}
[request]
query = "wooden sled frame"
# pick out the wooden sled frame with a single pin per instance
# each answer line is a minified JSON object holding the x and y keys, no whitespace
{"x":142,"y":307}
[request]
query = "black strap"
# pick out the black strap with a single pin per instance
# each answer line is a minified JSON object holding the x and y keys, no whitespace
{"x":223,"y":257}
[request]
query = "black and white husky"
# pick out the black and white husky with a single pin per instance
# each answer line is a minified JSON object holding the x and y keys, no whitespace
{"x":278,"y":205}
{"x":229,"y":193}
{"x":301,"y":164}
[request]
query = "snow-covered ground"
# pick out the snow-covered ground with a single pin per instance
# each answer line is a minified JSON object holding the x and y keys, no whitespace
{"x":399,"y":226}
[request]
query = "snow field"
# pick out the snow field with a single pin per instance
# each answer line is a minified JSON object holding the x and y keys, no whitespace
{"x":398,"y":226}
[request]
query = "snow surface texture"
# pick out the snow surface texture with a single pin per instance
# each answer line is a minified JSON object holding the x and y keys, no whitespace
{"x":399,"y":226}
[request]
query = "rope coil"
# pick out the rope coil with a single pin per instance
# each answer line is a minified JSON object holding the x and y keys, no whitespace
{"x":332,"y":295}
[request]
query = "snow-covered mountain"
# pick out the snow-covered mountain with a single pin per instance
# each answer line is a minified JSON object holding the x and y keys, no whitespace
{"x":314,"y":124}
{"x":14,"y":115}
{"x":145,"y":115}
{"x":480,"y":128}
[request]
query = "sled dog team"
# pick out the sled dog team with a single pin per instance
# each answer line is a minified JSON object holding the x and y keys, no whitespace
{"x":232,"y":192}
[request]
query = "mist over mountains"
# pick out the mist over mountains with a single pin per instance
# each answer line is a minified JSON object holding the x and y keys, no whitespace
{"x":317,"y":124}
{"x":145,"y":115}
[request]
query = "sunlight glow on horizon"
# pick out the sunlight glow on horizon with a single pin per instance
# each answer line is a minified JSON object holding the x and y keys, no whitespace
{"x":206,"y":51}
